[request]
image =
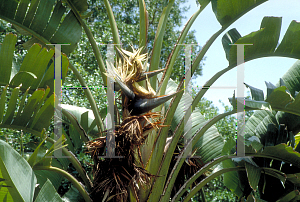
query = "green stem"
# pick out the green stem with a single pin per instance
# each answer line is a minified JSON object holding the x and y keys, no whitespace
{"x":21,"y":144}
{"x":113,"y":24}
{"x":170,"y":63}
{"x":201,"y":93}
{"x":76,"y":164}
{"x":199,"y":186}
{"x":69,"y":177}
{"x":92,"y":42}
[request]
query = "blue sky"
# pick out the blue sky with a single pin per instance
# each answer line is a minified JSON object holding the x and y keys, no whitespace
{"x":257,"y":71}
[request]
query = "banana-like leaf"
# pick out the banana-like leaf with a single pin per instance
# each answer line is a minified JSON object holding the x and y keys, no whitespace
{"x":230,"y":38}
{"x":284,"y":152}
{"x":270,"y":88}
{"x":211,"y":137}
{"x":227,"y":11}
{"x":46,"y":21}
{"x":255,"y":126}
{"x":253,"y":174}
{"x":6,"y":58}
{"x":35,"y":114}
{"x":294,"y":178}
{"x":290,"y":42}
{"x":262,"y":44}
{"x":17,"y":178}
{"x":29,"y":75}
{"x":231,"y":179}
{"x":48,"y":193}
{"x":292,"y":78}
{"x":279,"y":100}
{"x":291,"y":121}
{"x":80,"y":5}
{"x":283,"y":101}
{"x":84,"y":117}
{"x":256,"y":94}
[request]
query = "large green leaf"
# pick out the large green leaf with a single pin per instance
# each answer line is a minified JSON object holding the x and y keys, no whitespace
{"x":231,"y":179}
{"x":46,"y":21}
{"x":264,"y":41}
{"x":282,"y":101}
{"x":283,"y":151}
{"x":6,"y":58}
{"x":227,"y":11}
{"x":18,"y":179}
{"x":262,"y":127}
{"x":80,"y":5}
{"x":211,"y":137}
{"x":48,"y":193}
{"x":292,"y":78}
{"x":29,"y":75}
{"x":35,"y":114}
{"x":290,"y":42}
{"x":257,"y":94}
{"x":144,"y":23}
{"x":84,"y":117}
{"x":253,"y":174}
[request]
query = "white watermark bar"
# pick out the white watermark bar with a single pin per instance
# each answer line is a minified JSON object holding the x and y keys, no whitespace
{"x":240,"y":115}
{"x":110,"y":122}
{"x":57,"y":101}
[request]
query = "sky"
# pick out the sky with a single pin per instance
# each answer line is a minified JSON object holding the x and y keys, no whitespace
{"x":256,"y":71}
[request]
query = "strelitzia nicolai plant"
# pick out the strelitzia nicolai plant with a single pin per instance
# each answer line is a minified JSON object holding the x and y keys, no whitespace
{"x":143,"y":136}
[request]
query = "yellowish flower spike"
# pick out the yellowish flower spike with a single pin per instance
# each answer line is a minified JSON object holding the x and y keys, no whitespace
{"x":129,"y":70}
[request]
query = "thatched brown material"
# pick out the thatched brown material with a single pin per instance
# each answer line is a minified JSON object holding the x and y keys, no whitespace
{"x":114,"y":176}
